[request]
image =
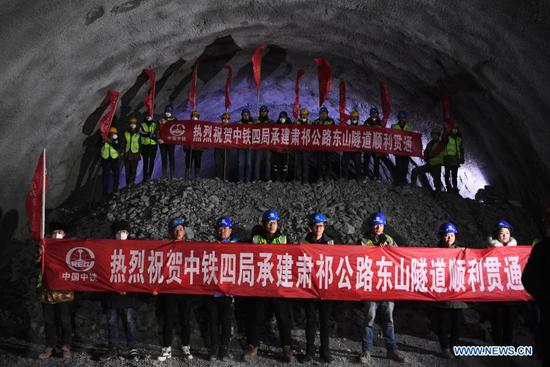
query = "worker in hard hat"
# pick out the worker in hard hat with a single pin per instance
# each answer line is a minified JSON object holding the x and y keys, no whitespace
{"x":246,"y":156}
{"x":281,"y":156}
{"x":453,"y":158}
{"x":302,"y":158}
{"x":373,"y":121}
{"x":167,"y":150}
{"x":221,"y":155}
{"x":132,"y":150}
{"x":148,"y":143}
{"x":433,"y":156}
{"x":325,"y":159}
{"x":376,"y":237}
{"x":263,"y":156}
{"x":110,"y":153}
{"x":401,"y":162}
{"x":193,"y":155}
{"x":355,"y":157}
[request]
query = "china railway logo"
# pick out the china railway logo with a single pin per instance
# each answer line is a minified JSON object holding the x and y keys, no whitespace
{"x":177,"y":130}
{"x":80,"y":259}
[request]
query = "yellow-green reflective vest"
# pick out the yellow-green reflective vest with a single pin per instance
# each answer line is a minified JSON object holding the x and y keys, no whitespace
{"x":453,"y":146}
{"x":132,"y":142}
{"x":151,"y":128}
{"x":407,"y":127}
{"x":261,"y":240}
{"x":107,"y":151}
{"x":438,"y":159}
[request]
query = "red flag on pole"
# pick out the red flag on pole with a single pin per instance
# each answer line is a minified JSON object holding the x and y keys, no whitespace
{"x":105,"y":122}
{"x":296,"y":106}
{"x":35,"y":201}
{"x":448,"y":123}
{"x":193,"y":89}
{"x":386,"y":103}
{"x":324,"y":72}
{"x":257,"y":65}
{"x":343,"y":116}
{"x":149,"y":101}
{"x":227,"y":85}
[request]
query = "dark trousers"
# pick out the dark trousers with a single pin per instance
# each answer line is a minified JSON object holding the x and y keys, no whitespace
{"x":401,"y":169}
{"x":263,"y":159}
{"x":280,"y":166}
{"x":502,"y":322}
{"x":111,"y":171}
{"x":301,"y":165}
{"x":220,"y":162}
{"x":129,"y":317}
{"x":255,"y":321}
{"x":376,"y":164}
{"x":451,"y":178}
{"x":354,"y":157}
{"x":449,"y":328}
{"x":434,"y":171}
{"x":167,"y":156}
{"x":176,"y":307}
{"x":220,"y":310}
{"x":149,"y":154}
{"x":55,"y":315}
{"x":312,"y":308}
{"x":131,"y":165}
{"x":193,"y":158}
{"x":246,"y":157}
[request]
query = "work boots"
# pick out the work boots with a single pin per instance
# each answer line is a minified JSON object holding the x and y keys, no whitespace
{"x":67,"y":354}
{"x":288,"y":354}
{"x":250,"y":353}
{"x":46,"y":354}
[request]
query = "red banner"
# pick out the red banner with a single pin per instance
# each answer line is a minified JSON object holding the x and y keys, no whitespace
{"x":294,"y":271}
{"x":257,"y":65}
{"x":227,"y":85}
{"x":193,"y":88}
{"x":294,"y":137}
{"x":149,"y":100}
{"x":342,"y":106}
{"x":33,"y":202}
{"x":324,"y":74}
{"x":446,"y":107}
{"x":296,"y":106}
{"x":104,"y":123}
{"x":386,"y":103}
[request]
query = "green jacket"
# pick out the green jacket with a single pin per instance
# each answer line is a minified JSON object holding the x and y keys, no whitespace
{"x":278,"y":239}
{"x":378,"y":241}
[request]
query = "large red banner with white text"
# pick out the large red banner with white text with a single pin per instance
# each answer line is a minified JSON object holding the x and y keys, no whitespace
{"x":206,"y":134}
{"x":339,"y":272}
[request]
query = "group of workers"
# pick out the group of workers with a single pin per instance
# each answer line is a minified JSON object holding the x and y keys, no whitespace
{"x":141,"y":141}
{"x":177,"y":308}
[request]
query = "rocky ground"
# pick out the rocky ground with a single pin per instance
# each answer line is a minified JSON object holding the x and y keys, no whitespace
{"x":413,"y":215}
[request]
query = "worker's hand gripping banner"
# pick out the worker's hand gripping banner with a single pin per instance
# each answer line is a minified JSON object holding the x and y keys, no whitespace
{"x":293,"y":271}
{"x":203,"y":134}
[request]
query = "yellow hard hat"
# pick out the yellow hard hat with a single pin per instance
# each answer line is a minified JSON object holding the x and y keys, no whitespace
{"x":195,"y":113}
{"x":354,"y":114}
{"x":304,"y":111}
{"x":225,"y":116}
{"x":113,"y":130}
{"x":436,"y":130}
{"x":132,"y":120}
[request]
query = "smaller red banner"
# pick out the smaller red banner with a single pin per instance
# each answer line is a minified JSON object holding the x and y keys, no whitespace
{"x":149,"y":100}
{"x":104,"y":123}
{"x":257,"y":65}
{"x":324,"y":74}
{"x":227,"y":86}
{"x":296,"y":106}
{"x":386,"y":103}
{"x":33,"y":203}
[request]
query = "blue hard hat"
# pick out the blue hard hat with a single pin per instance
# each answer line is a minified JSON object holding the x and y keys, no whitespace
{"x":176,"y":222}
{"x":283,"y":114}
{"x":264,"y":109}
{"x":317,"y":218}
{"x":448,"y":227}
{"x":503,"y":224}
{"x":169,"y":108}
{"x":224,"y":221}
{"x":374,"y":110}
{"x":377,"y":218}
{"x":270,"y":215}
{"x":245,"y":110}
{"x":323,"y":109}
{"x":402,"y":114}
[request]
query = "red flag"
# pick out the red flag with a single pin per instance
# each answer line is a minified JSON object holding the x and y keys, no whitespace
{"x":324,"y":72}
{"x":386,"y":103}
{"x":149,"y":101}
{"x":193,"y":89}
{"x":227,"y":85}
{"x":105,"y":122}
{"x":35,"y":196}
{"x":257,"y":65}
{"x":448,"y":123}
{"x":343,"y":116}
{"x":295,"y":111}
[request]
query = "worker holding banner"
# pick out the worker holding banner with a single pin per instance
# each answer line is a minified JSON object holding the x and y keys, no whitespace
{"x":263,"y":156}
{"x":324,"y":159}
{"x":373,"y":121}
{"x":433,"y":156}
{"x":270,"y":234}
{"x":132,"y":151}
{"x":110,"y":163}
{"x":314,"y":306}
{"x":176,"y":306}
{"x":167,"y":150}
{"x":302,"y":158}
{"x":454,"y":157}
{"x":149,"y":136}
{"x":280,"y":157}
{"x":245,"y":155}
{"x":377,"y":237}
{"x":221,"y":155}
{"x":193,"y":156}
{"x":354,"y":157}
{"x":401,"y":162}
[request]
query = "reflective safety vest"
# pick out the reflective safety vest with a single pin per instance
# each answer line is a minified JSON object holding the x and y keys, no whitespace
{"x":407,"y":127}
{"x":261,"y":240}
{"x":132,"y":142}
{"x":107,"y":151}
{"x":328,"y":121}
{"x":147,"y":129}
{"x":453,"y":146}
{"x":370,"y":241}
{"x":438,"y":159}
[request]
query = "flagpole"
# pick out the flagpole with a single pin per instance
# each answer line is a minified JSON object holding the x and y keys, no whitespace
{"x":43,"y":216}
